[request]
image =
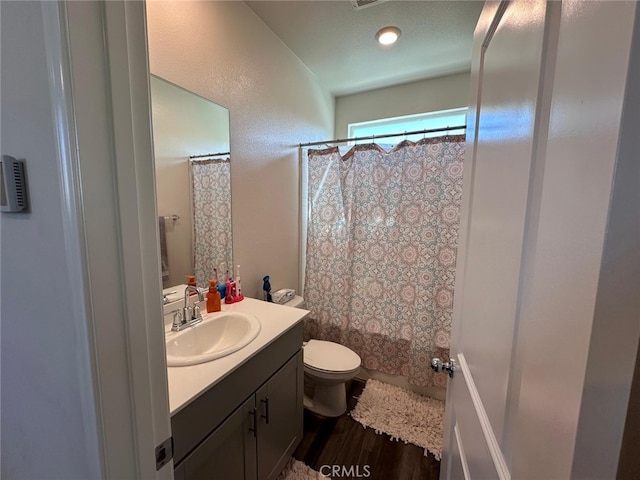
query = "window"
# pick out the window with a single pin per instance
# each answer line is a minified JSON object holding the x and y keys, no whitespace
{"x":410,"y":123}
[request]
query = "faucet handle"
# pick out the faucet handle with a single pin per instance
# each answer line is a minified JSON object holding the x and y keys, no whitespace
{"x":196,"y":312}
{"x":177,"y":320}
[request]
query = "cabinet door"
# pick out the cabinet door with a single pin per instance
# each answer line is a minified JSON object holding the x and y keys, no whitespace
{"x":229,"y":453}
{"x":280,"y":418}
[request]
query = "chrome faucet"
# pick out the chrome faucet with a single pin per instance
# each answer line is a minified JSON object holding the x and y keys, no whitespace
{"x":189,"y":316}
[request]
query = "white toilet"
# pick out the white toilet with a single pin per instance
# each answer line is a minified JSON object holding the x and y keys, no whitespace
{"x":327,"y":368}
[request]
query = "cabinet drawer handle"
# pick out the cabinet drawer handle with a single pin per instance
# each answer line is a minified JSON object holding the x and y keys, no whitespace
{"x":254,"y":421}
{"x":265,"y":400}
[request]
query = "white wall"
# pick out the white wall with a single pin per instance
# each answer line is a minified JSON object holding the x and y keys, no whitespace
{"x":222,"y":51}
{"x":442,"y":93}
{"x":184,"y":124}
{"x":48,"y":420}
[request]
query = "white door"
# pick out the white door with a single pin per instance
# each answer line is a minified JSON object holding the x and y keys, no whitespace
{"x":501,"y":132}
{"x":545,"y":304}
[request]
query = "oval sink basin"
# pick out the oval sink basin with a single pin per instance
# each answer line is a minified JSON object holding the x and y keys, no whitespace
{"x":218,"y":335}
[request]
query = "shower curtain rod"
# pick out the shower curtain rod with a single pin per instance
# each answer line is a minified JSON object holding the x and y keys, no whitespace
{"x":207,"y":155}
{"x":373,"y":137}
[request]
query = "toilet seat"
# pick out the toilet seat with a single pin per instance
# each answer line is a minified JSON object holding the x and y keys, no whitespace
{"x":330,"y":357}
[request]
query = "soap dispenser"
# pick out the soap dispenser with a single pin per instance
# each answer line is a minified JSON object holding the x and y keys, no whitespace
{"x":191,"y":282}
{"x":213,"y":297}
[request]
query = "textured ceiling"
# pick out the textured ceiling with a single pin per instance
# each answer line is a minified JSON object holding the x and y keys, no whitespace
{"x":337,"y":42}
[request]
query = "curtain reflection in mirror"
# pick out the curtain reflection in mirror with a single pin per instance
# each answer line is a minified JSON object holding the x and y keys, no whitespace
{"x":186,"y":126}
{"x":212,"y":238}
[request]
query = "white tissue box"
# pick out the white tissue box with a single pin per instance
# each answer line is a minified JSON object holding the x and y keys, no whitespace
{"x":283,"y":296}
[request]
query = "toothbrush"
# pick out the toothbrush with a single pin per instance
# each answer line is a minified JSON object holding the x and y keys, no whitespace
{"x":239,"y":295}
{"x":229,"y":295}
{"x":222,"y":286}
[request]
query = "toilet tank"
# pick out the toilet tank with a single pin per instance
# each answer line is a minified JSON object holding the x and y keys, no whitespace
{"x":296,"y":302}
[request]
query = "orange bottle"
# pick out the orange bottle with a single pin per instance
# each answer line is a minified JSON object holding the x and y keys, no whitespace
{"x":191,"y":282}
{"x":213,"y":297}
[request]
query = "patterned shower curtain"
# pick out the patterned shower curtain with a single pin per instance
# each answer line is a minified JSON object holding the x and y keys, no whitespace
{"x":381,"y":252}
{"x":212,"y":238}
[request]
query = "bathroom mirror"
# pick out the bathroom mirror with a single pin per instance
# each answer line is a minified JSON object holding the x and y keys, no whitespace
{"x":194,"y":194}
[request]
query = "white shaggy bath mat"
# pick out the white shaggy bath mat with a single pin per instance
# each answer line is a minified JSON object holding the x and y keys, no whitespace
{"x":402,"y":414}
{"x":296,"y":470}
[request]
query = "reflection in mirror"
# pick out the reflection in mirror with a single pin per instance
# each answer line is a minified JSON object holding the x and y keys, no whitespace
{"x":193,"y":186}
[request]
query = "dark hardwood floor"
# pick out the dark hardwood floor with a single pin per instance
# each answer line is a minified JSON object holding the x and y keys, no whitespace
{"x":342,"y":441}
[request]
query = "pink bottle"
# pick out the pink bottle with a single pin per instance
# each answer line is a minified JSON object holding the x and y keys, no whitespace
{"x":229,"y":296}
{"x":237,"y":290}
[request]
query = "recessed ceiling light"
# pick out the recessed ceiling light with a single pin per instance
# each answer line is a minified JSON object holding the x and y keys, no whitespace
{"x":388,"y":35}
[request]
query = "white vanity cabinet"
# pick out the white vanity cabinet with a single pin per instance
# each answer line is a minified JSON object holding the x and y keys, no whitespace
{"x":247,"y":425}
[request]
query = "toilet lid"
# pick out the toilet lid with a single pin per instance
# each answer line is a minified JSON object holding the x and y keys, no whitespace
{"x":330,"y":356}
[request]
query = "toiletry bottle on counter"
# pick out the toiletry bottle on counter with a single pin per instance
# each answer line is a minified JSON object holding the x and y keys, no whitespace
{"x":266,"y":287}
{"x":228,"y":298}
{"x":191,"y":281}
{"x":238,"y":293}
{"x":213,"y":297}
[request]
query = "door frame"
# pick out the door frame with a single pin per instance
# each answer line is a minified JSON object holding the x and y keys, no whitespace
{"x":98,"y":75}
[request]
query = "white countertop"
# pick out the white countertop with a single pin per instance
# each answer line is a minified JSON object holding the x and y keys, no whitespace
{"x":187,"y":383}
